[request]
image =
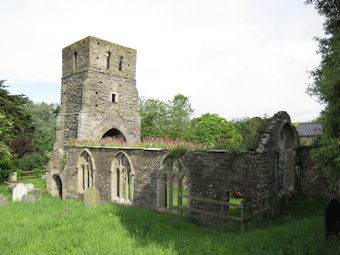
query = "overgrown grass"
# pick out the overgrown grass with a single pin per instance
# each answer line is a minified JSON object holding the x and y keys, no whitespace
{"x":55,"y":226}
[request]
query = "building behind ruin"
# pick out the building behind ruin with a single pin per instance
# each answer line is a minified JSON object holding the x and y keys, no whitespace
{"x":99,"y":98}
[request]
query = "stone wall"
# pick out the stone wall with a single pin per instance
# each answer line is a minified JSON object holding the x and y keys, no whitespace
{"x":312,"y":181}
{"x":209,"y":174}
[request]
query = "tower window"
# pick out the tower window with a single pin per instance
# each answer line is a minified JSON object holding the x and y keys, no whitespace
{"x":75,"y":60}
{"x":108,"y":55}
{"x":114,"y":98}
{"x":120,"y":63}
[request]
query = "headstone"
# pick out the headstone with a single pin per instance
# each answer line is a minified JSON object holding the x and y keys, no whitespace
{"x":29,"y":187}
{"x":12,"y":177}
{"x":332,"y":218}
{"x":37,"y":193}
{"x":28,"y":198}
{"x":18,"y":192}
{"x":91,"y":197}
{"x":3,"y":200}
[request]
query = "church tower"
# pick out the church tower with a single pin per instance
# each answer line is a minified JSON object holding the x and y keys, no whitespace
{"x":99,"y":97}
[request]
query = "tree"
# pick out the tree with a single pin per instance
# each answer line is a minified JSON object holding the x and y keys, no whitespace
{"x":180,"y":112}
{"x":16,"y":120}
{"x":6,"y":161}
{"x":326,"y":87}
{"x":210,"y":127}
{"x":44,"y":119}
{"x":169,"y":118}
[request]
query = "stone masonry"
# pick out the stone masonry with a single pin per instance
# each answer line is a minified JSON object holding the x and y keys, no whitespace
{"x":99,"y":97}
{"x":98,"y":92}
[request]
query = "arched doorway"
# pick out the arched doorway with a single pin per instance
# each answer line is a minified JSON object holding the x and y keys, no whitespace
{"x":58,"y":184}
{"x":114,"y":133}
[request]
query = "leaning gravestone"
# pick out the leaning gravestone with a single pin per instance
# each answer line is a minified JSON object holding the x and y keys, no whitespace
{"x":28,"y":198}
{"x":332,"y":218}
{"x":18,"y":191}
{"x":37,"y":193}
{"x":29,"y":187}
{"x":91,"y":197}
{"x":3,"y":200}
{"x":12,"y":177}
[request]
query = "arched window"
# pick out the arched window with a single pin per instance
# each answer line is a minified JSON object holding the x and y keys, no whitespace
{"x":121,"y":178}
{"x":85,"y":172}
{"x":171,"y":184}
{"x":286,"y":159}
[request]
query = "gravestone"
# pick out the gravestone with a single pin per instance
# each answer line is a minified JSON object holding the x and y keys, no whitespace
{"x":29,"y":187}
{"x":37,"y":193}
{"x":18,"y":191}
{"x":12,"y":177}
{"x":332,"y":218}
{"x":3,"y":200}
{"x":91,"y":197}
{"x":28,"y":198}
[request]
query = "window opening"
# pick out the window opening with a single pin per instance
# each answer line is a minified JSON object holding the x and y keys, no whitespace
{"x":113,"y":98}
{"x":75,"y":60}
{"x":172,"y":184}
{"x":108,"y":56}
{"x":120,"y":63}
{"x":86,"y":172}
{"x":122,"y":179}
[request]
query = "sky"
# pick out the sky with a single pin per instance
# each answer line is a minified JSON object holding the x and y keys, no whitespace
{"x":232,"y":58}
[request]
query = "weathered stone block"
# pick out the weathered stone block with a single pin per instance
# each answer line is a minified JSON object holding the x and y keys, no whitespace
{"x":91,"y":197}
{"x":18,"y":192}
{"x":28,"y":198}
{"x":12,"y":177}
{"x":3,"y":200}
{"x":29,"y":187}
{"x":37,"y":193}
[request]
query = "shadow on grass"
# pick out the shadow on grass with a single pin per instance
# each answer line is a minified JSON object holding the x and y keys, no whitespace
{"x":294,"y":232}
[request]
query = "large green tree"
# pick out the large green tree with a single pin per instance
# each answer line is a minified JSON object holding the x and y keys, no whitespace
{"x":15,"y":119}
{"x":210,"y":127}
{"x":44,"y":118}
{"x":170,"y":118}
{"x":326,"y":87}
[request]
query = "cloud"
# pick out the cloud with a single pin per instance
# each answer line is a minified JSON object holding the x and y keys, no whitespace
{"x":234,"y":58}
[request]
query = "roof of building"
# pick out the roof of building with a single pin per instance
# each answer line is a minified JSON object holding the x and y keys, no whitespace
{"x":309,"y":129}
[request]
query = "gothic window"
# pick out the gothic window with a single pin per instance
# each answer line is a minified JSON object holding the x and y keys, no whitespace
{"x":121,"y":178}
{"x":85,"y":172}
{"x":171,"y":184}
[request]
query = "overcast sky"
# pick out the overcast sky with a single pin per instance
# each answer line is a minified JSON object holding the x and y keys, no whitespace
{"x":234,"y":58}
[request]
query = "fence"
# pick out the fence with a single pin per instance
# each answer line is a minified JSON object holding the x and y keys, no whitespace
{"x":31,"y":174}
{"x":243,"y":219}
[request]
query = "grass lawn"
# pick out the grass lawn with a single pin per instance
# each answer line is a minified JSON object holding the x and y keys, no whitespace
{"x":55,"y":226}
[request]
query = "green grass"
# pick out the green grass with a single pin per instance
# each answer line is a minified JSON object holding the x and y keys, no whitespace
{"x":43,"y":228}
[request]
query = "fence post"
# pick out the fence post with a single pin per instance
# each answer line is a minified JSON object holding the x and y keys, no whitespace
{"x":242,"y":215}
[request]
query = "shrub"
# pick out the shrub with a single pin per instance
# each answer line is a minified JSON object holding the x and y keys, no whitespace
{"x":31,"y":161}
{"x":21,"y":146}
{"x":251,"y":131}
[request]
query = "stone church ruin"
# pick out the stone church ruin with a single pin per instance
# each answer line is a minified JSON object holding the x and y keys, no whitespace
{"x":99,"y":98}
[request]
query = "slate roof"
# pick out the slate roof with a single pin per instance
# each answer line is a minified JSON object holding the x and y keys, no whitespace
{"x":309,"y":129}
